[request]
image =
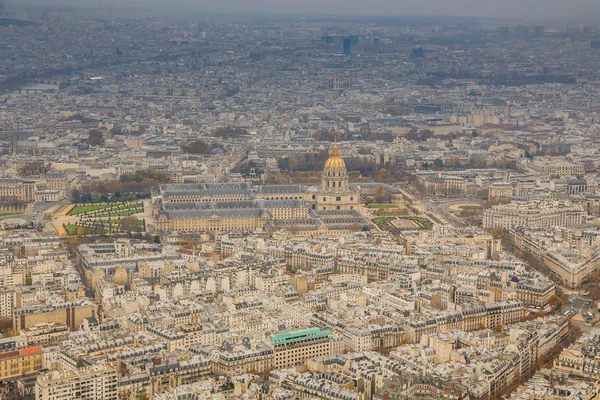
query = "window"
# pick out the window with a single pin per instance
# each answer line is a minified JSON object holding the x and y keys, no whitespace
{"x":351,"y":198}
{"x":324,"y":198}
{"x":338,"y":198}
{"x":337,"y":207}
{"x":314,"y":197}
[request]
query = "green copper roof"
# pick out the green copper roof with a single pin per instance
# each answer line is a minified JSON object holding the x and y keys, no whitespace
{"x":299,"y":335}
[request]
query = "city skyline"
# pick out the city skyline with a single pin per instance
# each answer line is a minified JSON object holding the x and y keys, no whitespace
{"x":535,"y":10}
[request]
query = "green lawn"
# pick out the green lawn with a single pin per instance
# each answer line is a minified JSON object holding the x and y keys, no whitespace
{"x":382,"y":206}
{"x":470,"y":207}
{"x":424,"y":222}
{"x":5,"y":214}
{"x":86,"y":209}
{"x":393,"y":214}
{"x":72,"y":229}
{"x":124,"y":213}
{"x":384,"y":222}
{"x":113,"y":222}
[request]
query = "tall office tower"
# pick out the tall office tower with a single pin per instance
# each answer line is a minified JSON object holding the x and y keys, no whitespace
{"x":503,"y":32}
{"x":522,"y":31}
{"x":539,"y":31}
{"x":347,"y":45}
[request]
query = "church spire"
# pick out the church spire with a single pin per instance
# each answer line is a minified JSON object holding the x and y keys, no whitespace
{"x":335,"y":152}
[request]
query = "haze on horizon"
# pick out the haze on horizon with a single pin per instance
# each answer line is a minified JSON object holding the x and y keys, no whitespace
{"x":519,"y":9}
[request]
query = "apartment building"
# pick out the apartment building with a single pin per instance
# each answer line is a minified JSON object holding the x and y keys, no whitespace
{"x":550,"y":166}
{"x":293,"y":348}
{"x":70,"y":314}
{"x":46,"y":333}
{"x":500,"y":191}
{"x":538,"y":214}
{"x":98,"y":382}
{"x":20,"y":362}
{"x":472,"y":318}
{"x":17,"y":189}
{"x":438,"y":185}
{"x":9,"y":300}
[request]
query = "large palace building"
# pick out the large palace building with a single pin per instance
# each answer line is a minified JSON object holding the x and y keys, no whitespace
{"x":329,"y":209}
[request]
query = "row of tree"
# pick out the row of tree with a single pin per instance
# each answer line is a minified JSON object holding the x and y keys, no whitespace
{"x":136,"y":185}
{"x":200,"y":147}
{"x":34,"y":168}
{"x":229,"y":132}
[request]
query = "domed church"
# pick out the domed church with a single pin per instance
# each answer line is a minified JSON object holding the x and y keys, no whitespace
{"x":335,"y":192}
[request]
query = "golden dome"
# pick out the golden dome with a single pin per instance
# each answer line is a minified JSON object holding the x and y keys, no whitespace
{"x":335,"y":162}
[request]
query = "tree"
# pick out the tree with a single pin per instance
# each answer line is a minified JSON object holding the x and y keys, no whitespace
{"x":80,"y":231}
{"x":496,"y":232}
{"x":96,"y":138}
{"x":6,"y":326}
{"x":326,"y":136}
{"x":425,"y":134}
{"x":438,"y":163}
{"x":589,"y":166}
{"x":129,"y":224}
{"x":382,"y":195}
{"x":34,"y":168}
{"x":76,"y":195}
{"x":196,"y":147}
{"x":594,"y":292}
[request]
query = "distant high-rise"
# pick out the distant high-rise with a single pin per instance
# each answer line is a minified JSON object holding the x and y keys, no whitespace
{"x":595,"y":44}
{"x":417,"y":52}
{"x":587,"y":32}
{"x":328,"y":39}
{"x":347,"y":45}
{"x":539,"y":31}
{"x":522,"y":31}
{"x":503,"y":31}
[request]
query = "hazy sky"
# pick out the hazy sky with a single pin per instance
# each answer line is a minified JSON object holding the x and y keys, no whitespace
{"x":525,"y":9}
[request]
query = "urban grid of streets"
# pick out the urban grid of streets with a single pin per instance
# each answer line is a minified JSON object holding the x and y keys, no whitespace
{"x":218,"y":207}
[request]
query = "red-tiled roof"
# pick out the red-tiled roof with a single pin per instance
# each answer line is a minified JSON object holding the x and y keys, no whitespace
{"x":30,"y":350}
